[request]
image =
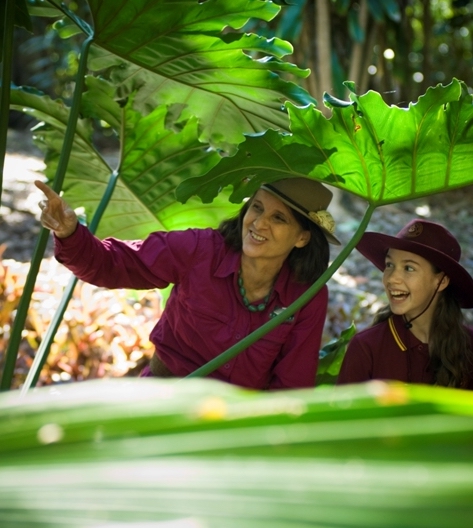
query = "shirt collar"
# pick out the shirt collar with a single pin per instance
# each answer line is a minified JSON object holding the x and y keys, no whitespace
{"x":401,"y":335}
{"x":230,"y":264}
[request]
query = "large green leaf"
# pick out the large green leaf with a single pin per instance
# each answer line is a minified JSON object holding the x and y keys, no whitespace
{"x":177,"y":53}
{"x":265,"y":158}
{"x":381,"y":153}
{"x":154,"y":160}
{"x":203,"y":453}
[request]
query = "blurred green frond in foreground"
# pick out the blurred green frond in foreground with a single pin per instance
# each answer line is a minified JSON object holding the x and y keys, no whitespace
{"x":199,"y":453}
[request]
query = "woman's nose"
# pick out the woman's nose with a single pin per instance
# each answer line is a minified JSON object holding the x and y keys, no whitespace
{"x":260,"y":221}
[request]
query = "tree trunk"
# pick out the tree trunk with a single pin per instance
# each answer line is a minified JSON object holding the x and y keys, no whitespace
{"x":359,"y":48}
{"x":426,"y":51}
{"x":324,"y":51}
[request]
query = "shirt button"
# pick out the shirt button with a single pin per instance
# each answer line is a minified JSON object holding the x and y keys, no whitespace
{"x":237,"y":336}
{"x":227,"y":365}
{"x":420,"y":347}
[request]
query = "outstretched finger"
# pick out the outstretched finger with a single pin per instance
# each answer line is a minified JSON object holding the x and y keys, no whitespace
{"x":50,"y":193}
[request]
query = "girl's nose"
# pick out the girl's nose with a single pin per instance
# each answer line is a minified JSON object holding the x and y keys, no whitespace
{"x":391,"y":275}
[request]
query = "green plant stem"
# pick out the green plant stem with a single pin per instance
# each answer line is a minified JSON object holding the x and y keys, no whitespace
{"x":42,"y":353}
{"x":6,"y":59}
{"x":22,"y":311}
{"x":290,"y":310}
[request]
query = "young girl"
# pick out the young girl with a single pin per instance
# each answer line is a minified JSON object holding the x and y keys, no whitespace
{"x":420,"y":337}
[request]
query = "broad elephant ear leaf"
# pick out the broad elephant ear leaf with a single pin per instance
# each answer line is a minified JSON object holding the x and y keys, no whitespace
{"x":391,"y":154}
{"x":384,"y":154}
{"x":153,"y":160}
{"x":264,"y":158}
{"x":179,"y":55}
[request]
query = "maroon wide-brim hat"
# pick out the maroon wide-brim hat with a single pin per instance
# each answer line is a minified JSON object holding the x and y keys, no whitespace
{"x":429,"y":240}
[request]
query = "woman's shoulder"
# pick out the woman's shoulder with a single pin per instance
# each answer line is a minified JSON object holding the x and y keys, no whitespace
{"x":191,"y":237}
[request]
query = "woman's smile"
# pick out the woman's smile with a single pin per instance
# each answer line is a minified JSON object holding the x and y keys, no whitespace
{"x":256,"y":237}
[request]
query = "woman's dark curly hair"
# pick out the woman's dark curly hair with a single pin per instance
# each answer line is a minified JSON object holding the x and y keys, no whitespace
{"x":307,"y":263}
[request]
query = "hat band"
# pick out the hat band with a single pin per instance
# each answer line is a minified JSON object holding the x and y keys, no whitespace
{"x":322,"y":218}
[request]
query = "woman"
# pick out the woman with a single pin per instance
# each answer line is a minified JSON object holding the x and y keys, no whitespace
{"x":227,"y":282}
{"x":420,"y":337}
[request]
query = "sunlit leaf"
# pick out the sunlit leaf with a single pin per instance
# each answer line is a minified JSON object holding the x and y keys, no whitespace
{"x":154,"y":160}
{"x":384,"y":154}
{"x":331,"y":357}
{"x":265,"y":158}
{"x":190,"y":61}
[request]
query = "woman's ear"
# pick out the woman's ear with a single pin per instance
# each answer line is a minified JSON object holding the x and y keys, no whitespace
{"x":303,"y":239}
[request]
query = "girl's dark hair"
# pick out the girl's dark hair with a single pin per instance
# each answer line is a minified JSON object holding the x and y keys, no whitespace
{"x":451,"y":354}
{"x":307,"y":263}
{"x":451,"y":357}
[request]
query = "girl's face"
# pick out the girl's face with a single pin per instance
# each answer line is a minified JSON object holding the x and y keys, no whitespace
{"x":410,"y":282}
{"x":270,"y":230}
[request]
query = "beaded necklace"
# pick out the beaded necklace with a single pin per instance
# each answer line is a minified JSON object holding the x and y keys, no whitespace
{"x":251,"y":307}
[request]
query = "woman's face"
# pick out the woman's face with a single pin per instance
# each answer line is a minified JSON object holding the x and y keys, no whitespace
{"x":270,"y":230}
{"x":410,"y":282}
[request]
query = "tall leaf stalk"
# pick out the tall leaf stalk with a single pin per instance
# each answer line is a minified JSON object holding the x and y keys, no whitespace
{"x":22,"y":311}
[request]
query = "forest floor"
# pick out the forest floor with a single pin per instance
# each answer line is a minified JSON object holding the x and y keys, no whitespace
{"x":355,"y":289}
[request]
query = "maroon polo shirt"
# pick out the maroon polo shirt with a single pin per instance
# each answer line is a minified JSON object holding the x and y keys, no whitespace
{"x":205,"y":314}
{"x":388,"y":351}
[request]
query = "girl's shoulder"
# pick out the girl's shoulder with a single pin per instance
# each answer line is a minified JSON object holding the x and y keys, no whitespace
{"x":372,"y":334}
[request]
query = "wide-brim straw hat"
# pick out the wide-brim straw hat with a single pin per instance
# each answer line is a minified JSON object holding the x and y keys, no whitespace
{"x":309,"y":198}
{"x":429,"y":240}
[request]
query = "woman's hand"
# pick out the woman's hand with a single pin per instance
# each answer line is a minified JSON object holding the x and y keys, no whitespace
{"x":56,"y":214}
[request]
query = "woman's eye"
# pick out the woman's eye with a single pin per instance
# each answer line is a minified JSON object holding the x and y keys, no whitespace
{"x":257,"y":207}
{"x":280,"y":218}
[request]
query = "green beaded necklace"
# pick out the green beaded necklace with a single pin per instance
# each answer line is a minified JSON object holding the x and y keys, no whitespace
{"x":258,"y":308}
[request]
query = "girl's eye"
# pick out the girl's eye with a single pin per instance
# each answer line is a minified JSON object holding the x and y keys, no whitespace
{"x":388,"y":265}
{"x":409,"y":268}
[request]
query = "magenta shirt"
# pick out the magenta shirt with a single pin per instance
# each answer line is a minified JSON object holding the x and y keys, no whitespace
{"x":205,"y":314}
{"x":388,"y":351}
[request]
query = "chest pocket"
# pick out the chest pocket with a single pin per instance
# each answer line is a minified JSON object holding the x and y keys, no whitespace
{"x":205,"y":326}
